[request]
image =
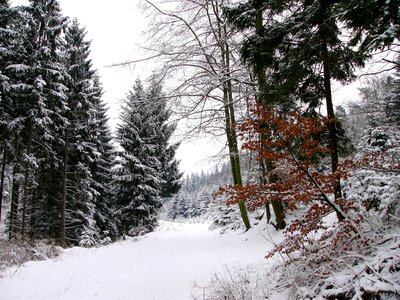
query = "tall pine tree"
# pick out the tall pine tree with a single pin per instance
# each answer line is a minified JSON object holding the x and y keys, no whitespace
{"x":145,"y":161}
{"x":77,"y":148}
{"x":302,"y":52}
{"x":40,"y":91}
{"x":101,"y":168}
{"x":169,"y":168}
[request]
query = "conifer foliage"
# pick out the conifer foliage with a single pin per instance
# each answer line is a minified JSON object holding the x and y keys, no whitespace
{"x":60,"y":175}
{"x":146,"y":169}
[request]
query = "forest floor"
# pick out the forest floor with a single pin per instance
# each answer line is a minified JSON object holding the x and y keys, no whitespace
{"x":177,"y":261}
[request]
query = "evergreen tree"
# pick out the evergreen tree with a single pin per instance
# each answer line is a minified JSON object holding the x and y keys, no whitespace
{"x":169,"y":166}
{"x":78,"y":147}
{"x":39,"y":93}
{"x":53,"y":128}
{"x":101,"y":168}
{"x":393,"y":107}
{"x":137,"y":175}
{"x":5,"y":41}
{"x":12,"y":73}
{"x":375,"y":24}
{"x":302,"y":52}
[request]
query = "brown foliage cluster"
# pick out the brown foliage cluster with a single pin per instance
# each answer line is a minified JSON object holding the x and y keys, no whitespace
{"x":293,"y":144}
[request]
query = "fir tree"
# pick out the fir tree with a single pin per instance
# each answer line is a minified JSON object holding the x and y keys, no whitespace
{"x":137,"y":176}
{"x":169,"y":168}
{"x":101,"y":168}
{"x":393,"y":107}
{"x":78,"y":147}
{"x":39,"y":93}
{"x":54,"y":134}
{"x":13,"y":71}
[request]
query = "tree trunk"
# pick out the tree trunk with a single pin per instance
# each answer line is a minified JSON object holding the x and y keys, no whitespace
{"x":235,"y":164}
{"x":229,"y":110}
{"x":234,"y":153}
{"x":12,"y":230}
{"x":234,"y":150}
{"x":333,"y":141}
{"x":267,"y":167}
{"x":32,"y":218}
{"x":333,"y":138}
{"x":3,"y":173}
{"x":64,"y":192}
{"x":25,"y":202}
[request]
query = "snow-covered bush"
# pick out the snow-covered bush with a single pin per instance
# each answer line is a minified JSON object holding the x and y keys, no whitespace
{"x":371,"y":272}
{"x":357,"y":258}
{"x":19,"y":252}
{"x":226,"y":218}
{"x":249,"y":283}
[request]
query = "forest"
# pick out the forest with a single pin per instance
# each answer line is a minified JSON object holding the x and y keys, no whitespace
{"x":262,"y":75}
{"x":62,"y":175}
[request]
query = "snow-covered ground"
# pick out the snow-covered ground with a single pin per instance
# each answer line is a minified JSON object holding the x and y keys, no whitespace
{"x":175,"y":262}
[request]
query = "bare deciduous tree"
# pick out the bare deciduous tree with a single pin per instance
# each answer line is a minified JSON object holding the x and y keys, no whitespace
{"x":200,"y":61}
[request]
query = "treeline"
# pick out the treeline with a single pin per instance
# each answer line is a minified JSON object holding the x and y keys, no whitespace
{"x":196,"y":198}
{"x":61,"y":173}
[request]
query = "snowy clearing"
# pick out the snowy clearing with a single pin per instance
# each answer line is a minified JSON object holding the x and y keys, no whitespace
{"x":175,"y":262}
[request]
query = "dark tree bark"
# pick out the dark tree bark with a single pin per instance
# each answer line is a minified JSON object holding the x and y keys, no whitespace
{"x":12,"y":231}
{"x":27,"y":170}
{"x":64,"y":191}
{"x":333,"y":135}
{"x":267,"y":166}
{"x":3,"y":173}
{"x":230,"y":121}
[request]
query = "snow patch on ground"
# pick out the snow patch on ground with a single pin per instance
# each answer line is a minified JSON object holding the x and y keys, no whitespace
{"x":177,"y":261}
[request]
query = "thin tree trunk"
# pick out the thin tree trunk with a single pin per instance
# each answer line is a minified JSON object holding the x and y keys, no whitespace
{"x":32,"y":219}
{"x":235,"y":148}
{"x":25,"y":202}
{"x":64,"y":192}
{"x":333,"y":137}
{"x":333,"y":141}
{"x":230,"y":117}
{"x":12,"y":230}
{"x":234,"y":158}
{"x":3,"y":173}
{"x":267,"y":165}
{"x":235,"y":165}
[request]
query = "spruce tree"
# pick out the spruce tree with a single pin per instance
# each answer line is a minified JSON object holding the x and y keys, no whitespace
{"x":53,"y":128}
{"x":38,"y":94}
{"x":77,"y":148}
{"x":301,"y":51}
{"x":147,"y":168}
{"x":169,"y":168}
{"x":137,"y":176}
{"x":13,"y":71}
{"x":101,"y":168}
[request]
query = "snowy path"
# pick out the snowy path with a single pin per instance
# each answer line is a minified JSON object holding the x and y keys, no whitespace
{"x":162,"y":265}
